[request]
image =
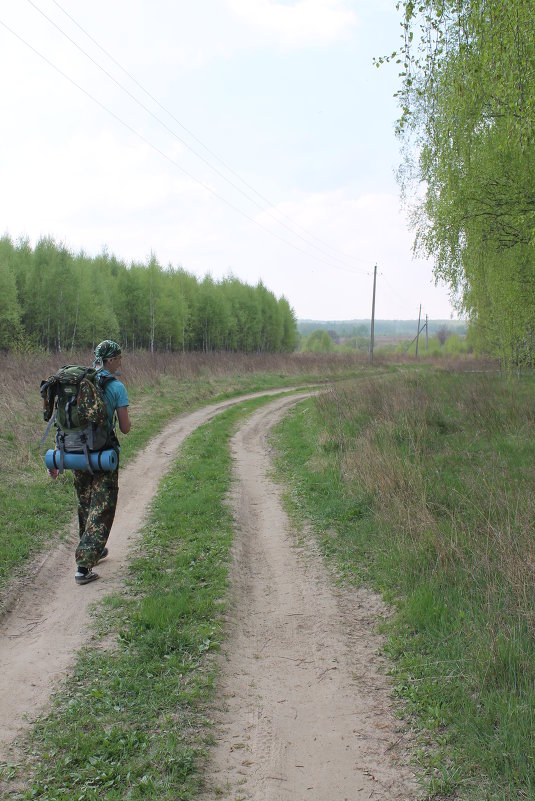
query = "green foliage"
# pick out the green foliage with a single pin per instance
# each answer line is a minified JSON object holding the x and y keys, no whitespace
{"x":436,"y":347}
{"x":30,"y":510}
{"x":59,"y":301}
{"x":454,"y":345}
{"x":10,"y":312}
{"x":468,"y":103}
{"x":318,"y":342}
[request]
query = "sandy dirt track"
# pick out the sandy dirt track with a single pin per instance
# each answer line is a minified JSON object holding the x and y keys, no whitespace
{"x":49,"y":622}
{"x":304,"y":710}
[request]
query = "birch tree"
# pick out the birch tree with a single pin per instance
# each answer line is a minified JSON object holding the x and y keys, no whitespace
{"x":467,"y":124}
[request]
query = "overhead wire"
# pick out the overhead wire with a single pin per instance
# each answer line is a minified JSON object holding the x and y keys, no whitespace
{"x":179,"y":138}
{"x":196,"y":139}
{"x":166,"y":156}
{"x":393,"y":291}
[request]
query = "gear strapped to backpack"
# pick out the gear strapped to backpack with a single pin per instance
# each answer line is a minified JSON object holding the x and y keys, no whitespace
{"x":74,"y":400}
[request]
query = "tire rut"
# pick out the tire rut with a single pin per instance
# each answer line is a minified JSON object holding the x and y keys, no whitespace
{"x":49,"y":621}
{"x":305,"y":712}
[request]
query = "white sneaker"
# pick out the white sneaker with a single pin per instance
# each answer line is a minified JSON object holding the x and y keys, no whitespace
{"x":84,"y":575}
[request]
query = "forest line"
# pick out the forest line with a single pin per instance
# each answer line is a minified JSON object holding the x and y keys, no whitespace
{"x":53,"y":299}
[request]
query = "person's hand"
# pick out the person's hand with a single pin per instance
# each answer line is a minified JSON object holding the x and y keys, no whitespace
{"x":53,"y":472}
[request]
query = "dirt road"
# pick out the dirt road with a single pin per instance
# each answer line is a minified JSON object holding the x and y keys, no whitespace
{"x":305,"y":712}
{"x":45,"y":628}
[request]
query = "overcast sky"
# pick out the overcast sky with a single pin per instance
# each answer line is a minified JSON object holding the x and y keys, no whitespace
{"x":244,"y":137}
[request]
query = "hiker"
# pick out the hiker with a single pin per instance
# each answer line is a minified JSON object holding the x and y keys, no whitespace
{"x":97,"y":492}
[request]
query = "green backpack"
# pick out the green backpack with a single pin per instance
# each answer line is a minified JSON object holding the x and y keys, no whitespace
{"x":74,"y":400}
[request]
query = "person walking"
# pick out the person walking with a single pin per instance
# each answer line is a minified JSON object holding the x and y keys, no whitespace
{"x":97,"y":492}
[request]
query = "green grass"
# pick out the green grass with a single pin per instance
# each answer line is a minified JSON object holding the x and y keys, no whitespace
{"x":423,"y":486}
{"x":419,"y":484}
{"x":34,"y":515}
{"x":131,"y":723}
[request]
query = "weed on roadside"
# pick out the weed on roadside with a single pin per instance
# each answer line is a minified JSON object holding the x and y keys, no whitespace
{"x":423,"y":485}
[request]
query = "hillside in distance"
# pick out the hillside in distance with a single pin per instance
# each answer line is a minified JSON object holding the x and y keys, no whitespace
{"x":399,"y":329}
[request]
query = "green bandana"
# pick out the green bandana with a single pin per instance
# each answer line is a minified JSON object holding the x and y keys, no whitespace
{"x":107,"y":350}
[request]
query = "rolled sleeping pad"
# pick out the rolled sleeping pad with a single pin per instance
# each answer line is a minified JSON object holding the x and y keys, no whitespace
{"x":104,"y":461}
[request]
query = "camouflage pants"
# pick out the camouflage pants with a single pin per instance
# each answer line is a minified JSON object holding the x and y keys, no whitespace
{"x":97,"y":500}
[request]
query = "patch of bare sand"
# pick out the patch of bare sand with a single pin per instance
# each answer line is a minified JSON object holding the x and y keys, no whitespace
{"x":49,"y":621}
{"x":305,"y":709}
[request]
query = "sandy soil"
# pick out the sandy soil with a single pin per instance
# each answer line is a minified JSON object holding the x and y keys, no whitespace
{"x":304,"y":703}
{"x":48,"y":622}
{"x":305,"y":711}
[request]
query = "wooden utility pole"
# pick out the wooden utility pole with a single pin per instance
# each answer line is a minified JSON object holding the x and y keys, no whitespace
{"x":373,"y":314}
{"x":426,"y":332}
{"x":418,"y":334}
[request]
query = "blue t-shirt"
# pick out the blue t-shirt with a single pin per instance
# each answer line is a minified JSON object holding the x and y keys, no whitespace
{"x":116,"y":396}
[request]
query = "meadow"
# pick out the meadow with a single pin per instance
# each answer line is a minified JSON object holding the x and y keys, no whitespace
{"x":33,"y":510}
{"x":418,"y":480}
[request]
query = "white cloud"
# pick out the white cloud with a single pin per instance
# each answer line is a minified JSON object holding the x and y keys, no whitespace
{"x":370,"y":229}
{"x":72,"y":172}
{"x":297,"y":24}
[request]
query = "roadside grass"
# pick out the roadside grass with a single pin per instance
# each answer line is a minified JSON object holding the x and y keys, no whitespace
{"x":422,"y":485}
{"x":132,"y":721}
{"x":34,"y":511}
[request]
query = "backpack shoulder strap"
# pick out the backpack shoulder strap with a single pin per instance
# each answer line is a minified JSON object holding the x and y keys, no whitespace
{"x":49,"y":392}
{"x":104,"y":380}
{"x":48,"y":383}
{"x":49,"y":426}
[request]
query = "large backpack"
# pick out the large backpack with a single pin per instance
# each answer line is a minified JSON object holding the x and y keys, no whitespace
{"x":74,"y":400}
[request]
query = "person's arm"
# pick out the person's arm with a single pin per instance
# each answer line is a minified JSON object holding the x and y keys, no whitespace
{"x":124,"y":419}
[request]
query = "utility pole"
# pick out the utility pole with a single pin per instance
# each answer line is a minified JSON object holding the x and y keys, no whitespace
{"x":418,"y":334}
{"x":426,"y":332}
{"x":373,"y":314}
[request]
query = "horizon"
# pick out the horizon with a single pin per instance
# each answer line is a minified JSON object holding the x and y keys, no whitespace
{"x":380,"y":320}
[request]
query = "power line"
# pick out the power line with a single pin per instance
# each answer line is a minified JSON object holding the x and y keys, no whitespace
{"x":193,"y":136}
{"x":183,"y":141}
{"x":393,"y":291}
{"x":163,"y":154}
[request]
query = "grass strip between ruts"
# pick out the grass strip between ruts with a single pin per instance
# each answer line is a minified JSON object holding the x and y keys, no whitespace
{"x":132,"y":721}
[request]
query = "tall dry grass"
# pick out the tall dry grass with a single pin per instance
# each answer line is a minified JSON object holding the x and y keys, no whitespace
{"x":33,"y":510}
{"x":21,"y":423}
{"x":449,"y":462}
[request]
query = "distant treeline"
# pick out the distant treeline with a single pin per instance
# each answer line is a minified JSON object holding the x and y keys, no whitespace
{"x":382,"y":328}
{"x":55,"y":300}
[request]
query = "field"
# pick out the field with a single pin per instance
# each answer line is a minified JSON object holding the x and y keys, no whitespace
{"x":419,"y":484}
{"x":160,"y":386}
